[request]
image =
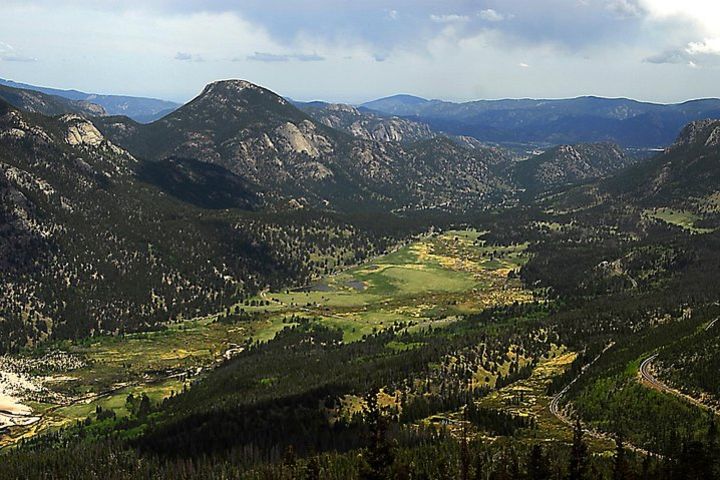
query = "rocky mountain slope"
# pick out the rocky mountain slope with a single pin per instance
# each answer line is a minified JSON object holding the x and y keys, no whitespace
{"x":683,"y":177}
{"x":368,"y":125}
{"x":138,"y":108}
{"x":685,"y":173}
{"x":365,"y":124}
{"x":37,"y":102}
{"x":628,"y":123}
{"x":115,"y":225}
{"x":291,"y":157}
{"x":570,"y":164}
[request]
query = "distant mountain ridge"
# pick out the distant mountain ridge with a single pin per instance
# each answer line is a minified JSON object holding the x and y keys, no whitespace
{"x":629,"y":123}
{"x":139,"y":109}
{"x":45,"y":104}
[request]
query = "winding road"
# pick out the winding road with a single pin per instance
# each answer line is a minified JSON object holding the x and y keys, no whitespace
{"x":555,"y":402}
{"x":648,"y":378}
{"x":558,"y":413}
{"x":710,"y":325}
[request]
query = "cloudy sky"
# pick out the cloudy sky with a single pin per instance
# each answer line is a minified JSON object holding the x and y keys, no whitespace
{"x":356,"y":50}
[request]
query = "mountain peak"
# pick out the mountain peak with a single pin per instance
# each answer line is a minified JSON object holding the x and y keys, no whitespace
{"x":229,"y":98}
{"x":400,"y":104}
{"x":235,"y":83}
{"x":406,"y":98}
{"x":237,"y":87}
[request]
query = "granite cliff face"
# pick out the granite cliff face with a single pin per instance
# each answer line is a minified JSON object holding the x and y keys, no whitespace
{"x":705,"y":131}
{"x":367,"y":125}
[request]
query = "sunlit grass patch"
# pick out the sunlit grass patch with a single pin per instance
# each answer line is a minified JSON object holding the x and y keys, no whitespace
{"x":681,"y":218}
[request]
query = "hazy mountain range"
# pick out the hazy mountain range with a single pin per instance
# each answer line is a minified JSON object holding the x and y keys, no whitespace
{"x":138,"y":108}
{"x":549,"y":122}
{"x":511,"y":122}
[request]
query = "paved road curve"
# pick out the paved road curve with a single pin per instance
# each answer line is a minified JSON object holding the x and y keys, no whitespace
{"x":649,"y":379}
{"x":555,"y":409}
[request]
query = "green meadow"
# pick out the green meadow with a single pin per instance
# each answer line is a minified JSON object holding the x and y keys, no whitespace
{"x":681,"y":218}
{"x":427,"y":283}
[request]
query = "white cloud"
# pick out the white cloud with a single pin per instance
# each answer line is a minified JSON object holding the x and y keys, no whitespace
{"x":709,"y":46}
{"x":283,"y":57}
{"x":9,"y":54}
{"x":695,"y":20}
{"x":449,"y":18}
{"x":491,"y":15}
{"x":625,"y":8}
{"x":188,"y":57}
{"x":704,"y":13}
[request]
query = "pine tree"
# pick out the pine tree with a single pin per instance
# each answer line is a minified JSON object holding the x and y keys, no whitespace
{"x":479,"y":465}
{"x":464,"y":451}
{"x":578,"y":454}
{"x":713,"y":448}
{"x":537,"y":464}
{"x":379,"y":454}
{"x":312,"y":472}
{"x":620,"y":465}
{"x":694,"y":463}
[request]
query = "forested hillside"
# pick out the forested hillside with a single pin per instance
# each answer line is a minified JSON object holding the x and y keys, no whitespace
{"x":91,"y":244}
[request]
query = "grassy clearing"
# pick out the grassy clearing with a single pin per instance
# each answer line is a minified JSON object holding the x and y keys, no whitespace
{"x":681,"y":218}
{"x":154,"y":355}
{"x":529,"y":398}
{"x":117,"y":400}
{"x":428,"y":282}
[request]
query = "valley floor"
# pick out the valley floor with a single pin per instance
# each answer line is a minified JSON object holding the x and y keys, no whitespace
{"x":425,"y":284}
